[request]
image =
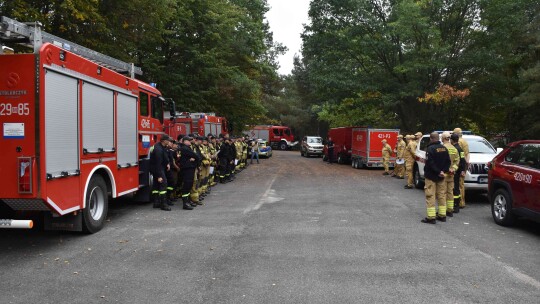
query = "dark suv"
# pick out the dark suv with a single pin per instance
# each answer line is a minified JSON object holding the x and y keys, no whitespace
{"x":514,"y":182}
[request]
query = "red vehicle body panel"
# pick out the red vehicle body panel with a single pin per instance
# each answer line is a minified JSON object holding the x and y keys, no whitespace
{"x":342,"y":138}
{"x":21,"y":77}
{"x":521,"y":180}
{"x":367,"y":144}
{"x":273,"y":134}
{"x":200,"y":123}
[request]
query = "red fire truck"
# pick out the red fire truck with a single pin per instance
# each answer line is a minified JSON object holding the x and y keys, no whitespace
{"x":279,"y":136}
{"x":195,"y":123}
{"x":367,"y":146}
{"x":76,"y":128}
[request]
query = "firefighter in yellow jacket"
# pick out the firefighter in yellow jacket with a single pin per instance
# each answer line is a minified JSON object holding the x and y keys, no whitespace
{"x":386,"y":153}
{"x":399,"y":169}
{"x":465,"y":147}
{"x":238,"y":147}
{"x":205,"y":167}
{"x":449,"y":178}
{"x":409,"y":156}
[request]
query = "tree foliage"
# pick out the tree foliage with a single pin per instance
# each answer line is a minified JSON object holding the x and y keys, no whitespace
{"x":432,"y":64}
{"x":208,"y":55}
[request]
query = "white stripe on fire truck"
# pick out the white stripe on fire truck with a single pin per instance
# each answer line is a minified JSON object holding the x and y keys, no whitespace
{"x":128,"y":191}
{"x":60,"y":211}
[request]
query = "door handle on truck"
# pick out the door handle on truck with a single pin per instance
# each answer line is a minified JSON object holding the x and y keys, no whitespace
{"x":510,"y":171}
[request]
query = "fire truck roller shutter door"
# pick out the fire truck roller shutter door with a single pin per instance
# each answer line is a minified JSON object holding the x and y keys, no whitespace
{"x":127,"y":129}
{"x":207,"y":128}
{"x":98,"y":118}
{"x":61,"y":124}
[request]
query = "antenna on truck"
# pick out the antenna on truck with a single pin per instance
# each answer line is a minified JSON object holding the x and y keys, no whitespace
{"x":31,"y":35}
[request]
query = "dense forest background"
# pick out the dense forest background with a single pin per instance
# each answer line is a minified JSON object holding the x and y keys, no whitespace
{"x":417,"y":65}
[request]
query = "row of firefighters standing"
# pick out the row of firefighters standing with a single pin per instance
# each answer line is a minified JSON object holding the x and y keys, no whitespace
{"x":444,"y":172}
{"x":187,"y":168}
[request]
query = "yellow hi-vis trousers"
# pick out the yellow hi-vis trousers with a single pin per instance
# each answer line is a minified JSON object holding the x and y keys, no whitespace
{"x":449,"y":181}
{"x":435,"y":192}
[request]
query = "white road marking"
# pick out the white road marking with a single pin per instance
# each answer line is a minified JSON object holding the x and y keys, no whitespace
{"x":516,"y":273}
{"x":267,"y":197}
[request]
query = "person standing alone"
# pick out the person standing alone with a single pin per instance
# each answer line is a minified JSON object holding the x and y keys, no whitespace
{"x":386,"y":153}
{"x":255,"y":150}
{"x":330,"y":149}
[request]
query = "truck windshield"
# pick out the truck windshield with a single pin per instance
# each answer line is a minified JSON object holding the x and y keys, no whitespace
{"x":479,"y":146}
{"x":314,"y":140}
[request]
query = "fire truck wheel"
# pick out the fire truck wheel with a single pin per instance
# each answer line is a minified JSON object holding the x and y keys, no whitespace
{"x":95,"y":212}
{"x":283,"y":146}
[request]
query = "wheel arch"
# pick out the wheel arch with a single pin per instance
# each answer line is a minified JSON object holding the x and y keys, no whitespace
{"x":499,"y":184}
{"x":108,"y":177}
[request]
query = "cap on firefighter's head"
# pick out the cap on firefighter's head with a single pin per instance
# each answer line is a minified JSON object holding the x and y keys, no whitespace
{"x":400,"y":136}
{"x":187,"y":138}
{"x":418,"y":134}
{"x":165,"y":137}
{"x":384,"y":141}
{"x":445,"y":135}
{"x":454,"y":137}
{"x":458,"y":131}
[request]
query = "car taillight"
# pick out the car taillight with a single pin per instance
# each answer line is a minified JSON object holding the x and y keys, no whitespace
{"x":24,"y":174}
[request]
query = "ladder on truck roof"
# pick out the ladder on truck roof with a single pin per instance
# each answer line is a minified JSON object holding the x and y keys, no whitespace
{"x":31,"y":35}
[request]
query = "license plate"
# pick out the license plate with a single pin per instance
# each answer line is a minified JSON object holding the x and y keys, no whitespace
{"x":483,"y":180}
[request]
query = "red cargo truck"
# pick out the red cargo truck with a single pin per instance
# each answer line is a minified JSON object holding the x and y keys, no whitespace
{"x":367,"y":146}
{"x":342,"y":138}
{"x":200,"y":124}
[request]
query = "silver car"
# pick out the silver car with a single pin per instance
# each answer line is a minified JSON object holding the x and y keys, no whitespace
{"x":311,"y":145}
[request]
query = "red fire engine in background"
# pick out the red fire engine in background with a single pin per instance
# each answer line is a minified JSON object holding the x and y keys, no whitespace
{"x":200,"y":124}
{"x":279,"y":136}
{"x":75,"y":130}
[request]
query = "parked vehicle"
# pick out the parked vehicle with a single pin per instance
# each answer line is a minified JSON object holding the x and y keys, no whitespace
{"x":367,"y":146}
{"x":514,"y":183}
{"x":76,"y":130}
{"x":278,"y":136}
{"x":342,"y":138}
{"x":476,"y":178}
{"x":311,"y":145}
{"x":265,"y":150}
{"x":195,"y":123}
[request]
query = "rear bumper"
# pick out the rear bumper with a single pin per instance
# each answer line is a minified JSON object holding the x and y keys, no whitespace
{"x":18,"y":204}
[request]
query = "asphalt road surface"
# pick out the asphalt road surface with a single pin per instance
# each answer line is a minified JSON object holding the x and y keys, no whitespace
{"x":290,"y":230}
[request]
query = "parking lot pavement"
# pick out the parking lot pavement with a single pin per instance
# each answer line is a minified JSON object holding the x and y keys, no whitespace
{"x":290,"y":230}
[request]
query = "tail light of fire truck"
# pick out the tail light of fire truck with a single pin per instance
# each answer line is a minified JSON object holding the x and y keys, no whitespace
{"x":25,"y":174}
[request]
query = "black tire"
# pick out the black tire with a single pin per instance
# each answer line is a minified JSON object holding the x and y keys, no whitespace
{"x":283,"y":146}
{"x":501,"y":208}
{"x":340,"y":159}
{"x":418,"y":183}
{"x":97,"y":205}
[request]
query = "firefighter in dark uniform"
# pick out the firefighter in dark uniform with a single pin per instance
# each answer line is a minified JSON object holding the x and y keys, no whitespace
{"x":462,"y":169}
{"x":159,"y":165}
{"x":223,"y":160}
{"x":330,"y":149}
{"x":188,"y":165}
{"x":231,"y":165}
{"x":436,"y":169}
{"x":171,"y":174}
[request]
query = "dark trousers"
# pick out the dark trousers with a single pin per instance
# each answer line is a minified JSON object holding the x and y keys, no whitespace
{"x":159,"y":190}
{"x":330,"y":155}
{"x":223,"y":167}
{"x":457,"y":176}
{"x":188,"y":175}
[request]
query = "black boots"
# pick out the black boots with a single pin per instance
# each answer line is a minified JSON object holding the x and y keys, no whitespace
{"x":429,"y":221}
{"x":186,"y":204}
{"x":456,"y":205}
{"x":163,"y":203}
{"x":155,"y":201}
